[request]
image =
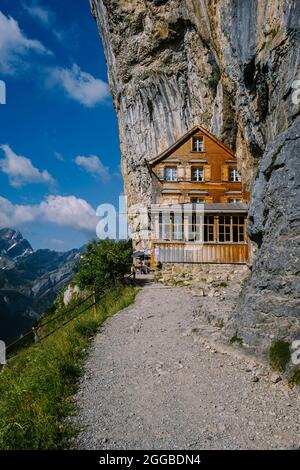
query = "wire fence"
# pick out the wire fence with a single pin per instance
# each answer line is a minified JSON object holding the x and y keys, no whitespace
{"x":42,"y":324}
{"x":34,"y":332}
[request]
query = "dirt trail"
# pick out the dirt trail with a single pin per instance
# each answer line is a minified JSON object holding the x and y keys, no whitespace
{"x":151,"y":382}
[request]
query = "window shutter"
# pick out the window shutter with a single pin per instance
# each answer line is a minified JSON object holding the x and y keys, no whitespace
{"x":188,"y":173}
{"x":225,"y":173}
{"x":207,"y":173}
{"x":161,"y":173}
{"x":180,"y":172}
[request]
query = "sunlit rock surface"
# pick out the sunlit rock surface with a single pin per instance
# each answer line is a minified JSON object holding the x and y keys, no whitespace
{"x":230,"y":66}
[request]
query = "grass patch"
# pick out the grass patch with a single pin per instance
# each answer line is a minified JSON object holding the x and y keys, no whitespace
{"x":236,"y":339}
{"x":279,"y":355}
{"x":176,"y":282}
{"x":222,"y":284}
{"x":274,"y":31}
{"x":294,"y":378}
{"x":221,"y":325}
{"x":37,"y":386}
{"x":273,"y":166}
{"x":214,"y":79}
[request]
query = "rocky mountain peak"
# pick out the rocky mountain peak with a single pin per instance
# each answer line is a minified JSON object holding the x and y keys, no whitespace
{"x":30,"y":281}
{"x":13,"y":245}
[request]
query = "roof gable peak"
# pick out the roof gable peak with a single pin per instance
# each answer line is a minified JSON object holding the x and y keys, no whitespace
{"x":188,"y":134}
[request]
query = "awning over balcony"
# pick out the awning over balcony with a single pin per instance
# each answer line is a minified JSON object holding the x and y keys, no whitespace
{"x":171,"y":191}
{"x":215,"y":208}
{"x":142,"y":253}
{"x":197,"y":191}
{"x":233,"y":207}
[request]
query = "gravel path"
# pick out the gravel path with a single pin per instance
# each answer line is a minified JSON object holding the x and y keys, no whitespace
{"x":152,"y":382}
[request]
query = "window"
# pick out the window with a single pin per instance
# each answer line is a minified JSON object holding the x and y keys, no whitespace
{"x":164,"y":226}
{"x":197,"y":200}
{"x":195,"y":227}
{"x":224,"y":228}
{"x":197,"y":173}
{"x":177,"y":226}
{"x":238,"y":229}
{"x":234,"y":175}
{"x":170,"y":173}
{"x":198,"y":144}
{"x":209,"y":228}
{"x":199,"y":228}
{"x":171,"y":226}
{"x":231,"y":229}
{"x":234,"y":200}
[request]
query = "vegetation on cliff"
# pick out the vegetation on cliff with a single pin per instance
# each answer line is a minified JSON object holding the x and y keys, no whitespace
{"x":105,"y":264}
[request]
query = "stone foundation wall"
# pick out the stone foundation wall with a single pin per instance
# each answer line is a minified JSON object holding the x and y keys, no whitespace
{"x":189,"y":274}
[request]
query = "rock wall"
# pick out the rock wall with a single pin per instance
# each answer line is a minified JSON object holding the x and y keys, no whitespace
{"x":231,"y":66}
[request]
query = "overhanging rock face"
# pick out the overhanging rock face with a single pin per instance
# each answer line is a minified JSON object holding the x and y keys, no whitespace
{"x":230,"y":66}
{"x":270,"y":303}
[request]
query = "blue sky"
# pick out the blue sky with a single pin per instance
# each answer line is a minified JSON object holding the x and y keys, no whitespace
{"x":59,"y":148}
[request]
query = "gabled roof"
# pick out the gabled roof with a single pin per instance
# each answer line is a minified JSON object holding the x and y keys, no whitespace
{"x":182,"y":139}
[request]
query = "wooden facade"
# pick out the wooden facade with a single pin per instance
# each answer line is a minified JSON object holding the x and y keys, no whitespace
{"x":215,"y":161}
{"x":177,"y":252}
{"x":198,"y":173}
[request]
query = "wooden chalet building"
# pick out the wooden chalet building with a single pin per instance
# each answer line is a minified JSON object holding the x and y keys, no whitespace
{"x":199,"y":206}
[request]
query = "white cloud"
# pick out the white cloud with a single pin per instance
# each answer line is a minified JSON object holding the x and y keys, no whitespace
{"x":79,"y":85}
{"x":59,"y":156}
{"x":57,"y":241}
{"x":15,"y":45}
{"x":11,"y":215}
{"x":94,"y":166}
{"x":40,"y":13}
{"x":60,"y":36}
{"x":45,"y":17}
{"x":67,"y":211}
{"x":70,"y":211}
{"x":20,"y":170}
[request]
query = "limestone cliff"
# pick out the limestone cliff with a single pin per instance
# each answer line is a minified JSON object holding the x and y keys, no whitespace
{"x":230,"y":65}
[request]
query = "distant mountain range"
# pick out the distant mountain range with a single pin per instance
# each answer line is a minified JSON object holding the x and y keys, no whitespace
{"x":29,"y":281}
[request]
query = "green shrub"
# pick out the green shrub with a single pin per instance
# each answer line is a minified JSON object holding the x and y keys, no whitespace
{"x":279,"y":355}
{"x":214,"y":79}
{"x":222,"y":284}
{"x":104,"y":264}
{"x":88,"y":329}
{"x":274,"y":31}
{"x":236,"y":339}
{"x":294,"y":378}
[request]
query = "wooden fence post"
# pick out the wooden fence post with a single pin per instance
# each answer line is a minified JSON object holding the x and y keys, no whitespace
{"x":94,"y":302}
